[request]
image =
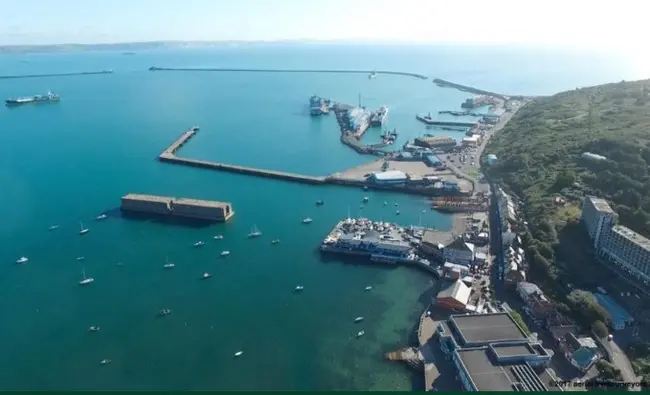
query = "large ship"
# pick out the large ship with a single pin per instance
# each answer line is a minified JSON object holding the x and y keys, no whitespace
{"x":33,"y":99}
{"x":317,"y":105}
{"x":379,"y":117}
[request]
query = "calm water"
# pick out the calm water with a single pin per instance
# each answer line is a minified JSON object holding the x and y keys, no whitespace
{"x":68,"y":162}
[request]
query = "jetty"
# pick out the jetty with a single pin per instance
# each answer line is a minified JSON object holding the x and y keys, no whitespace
{"x":56,"y":74}
{"x":387,"y":72}
{"x":169,"y":156}
{"x":469,"y":89}
{"x":459,"y":124}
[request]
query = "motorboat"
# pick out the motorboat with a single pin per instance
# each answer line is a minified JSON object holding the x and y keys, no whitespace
{"x":319,"y":202}
{"x":86,"y":280}
{"x":239,"y":353}
{"x":396,"y":204}
{"x":307,"y":220}
{"x":368,"y":288}
{"x":254,"y":232}
{"x":218,"y":237}
{"x":225,"y":253}
{"x":385,"y":203}
{"x":199,"y":244}
{"x":22,"y":260}
{"x":358,"y":319}
{"x":101,"y":217}
{"x":299,"y":288}
{"x":360,"y":333}
{"x":82,"y":230}
{"x":93,"y":328}
{"x":276,"y":241}
{"x":105,"y":361}
{"x":206,"y":276}
{"x":164,"y":312}
{"x":53,"y":227}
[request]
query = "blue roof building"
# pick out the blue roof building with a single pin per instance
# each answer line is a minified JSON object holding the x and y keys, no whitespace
{"x":432,"y":160}
{"x":620,"y":317}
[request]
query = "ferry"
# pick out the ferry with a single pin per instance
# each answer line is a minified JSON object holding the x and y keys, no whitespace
{"x":49,"y":97}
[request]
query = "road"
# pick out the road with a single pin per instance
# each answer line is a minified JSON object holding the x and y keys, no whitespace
{"x":621,"y":361}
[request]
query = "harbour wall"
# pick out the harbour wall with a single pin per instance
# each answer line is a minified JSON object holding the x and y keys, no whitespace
{"x":56,"y":74}
{"x":182,"y":207}
{"x":388,"y":72}
{"x":445,"y":123}
{"x":469,"y":89}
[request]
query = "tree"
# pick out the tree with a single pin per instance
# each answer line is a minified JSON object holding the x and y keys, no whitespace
{"x":520,"y":321}
{"x":600,"y":329}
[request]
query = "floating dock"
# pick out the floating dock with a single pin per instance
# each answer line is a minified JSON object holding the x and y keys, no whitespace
{"x":186,"y":208}
{"x":429,"y":121}
{"x":388,"y":72}
{"x":56,"y":74}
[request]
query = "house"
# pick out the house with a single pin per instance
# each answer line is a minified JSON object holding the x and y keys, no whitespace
{"x":527,"y":290}
{"x":582,"y":352}
{"x":460,"y":252}
{"x":454,"y":297}
{"x":453,"y":271}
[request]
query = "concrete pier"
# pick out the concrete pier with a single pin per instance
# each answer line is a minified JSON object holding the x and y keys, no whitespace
{"x":186,"y":208}
{"x":469,"y":89}
{"x":387,"y":72}
{"x":430,"y":121}
{"x":56,"y":74}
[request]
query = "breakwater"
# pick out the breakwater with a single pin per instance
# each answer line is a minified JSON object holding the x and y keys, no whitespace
{"x":387,"y":72}
{"x":56,"y":74}
{"x":430,"y":121}
{"x":209,"y":210}
{"x":469,"y":89}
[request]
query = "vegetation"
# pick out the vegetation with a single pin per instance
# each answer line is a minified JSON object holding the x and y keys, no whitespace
{"x":600,"y":329}
{"x":640,"y":353}
{"x":540,"y":160}
{"x":520,"y":321}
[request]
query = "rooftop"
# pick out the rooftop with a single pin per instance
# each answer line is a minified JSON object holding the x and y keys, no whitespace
{"x":458,"y":291}
{"x":512,"y":350}
{"x":632,"y":236}
{"x":619,"y":315}
{"x":201,"y":203}
{"x":601,"y":204}
{"x":148,"y":198}
{"x":436,"y":237}
{"x":488,"y":328}
{"x":390,"y":175}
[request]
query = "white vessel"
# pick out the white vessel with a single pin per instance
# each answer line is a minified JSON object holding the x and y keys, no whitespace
{"x":101,"y":217}
{"x":365,"y":199}
{"x":81,"y":258}
{"x":198,"y":244}
{"x":254,"y":232}
{"x":239,"y":353}
{"x":218,"y":237}
{"x":225,"y":253}
{"x":307,"y":220}
{"x":93,"y":328}
{"x":82,"y":230}
{"x":360,"y":333}
{"x":206,"y":276}
{"x":358,"y":319}
{"x":164,"y":312}
{"x":86,"y":280}
{"x":299,"y":288}
{"x":105,"y":361}
{"x":385,"y":203}
{"x":53,"y":227}
{"x":22,"y":260}
{"x":397,"y":212}
{"x":276,"y":241}
{"x":368,"y":288}
{"x":168,"y":265}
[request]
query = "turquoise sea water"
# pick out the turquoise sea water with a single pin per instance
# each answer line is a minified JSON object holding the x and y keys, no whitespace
{"x":67,"y":162}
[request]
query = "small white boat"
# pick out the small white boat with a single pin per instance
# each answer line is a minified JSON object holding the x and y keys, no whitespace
{"x":299,"y":288}
{"x":360,"y":333}
{"x":218,"y":237}
{"x":225,"y":253}
{"x":199,"y":244}
{"x":101,"y":217}
{"x":365,"y":199}
{"x":105,"y":361}
{"x":239,"y":353}
{"x":385,"y":203}
{"x":397,"y":212}
{"x":276,"y":241}
{"x":22,"y":260}
{"x":254,"y":232}
{"x":94,"y":328}
{"x":81,"y":258}
{"x":307,"y":220}
{"x":53,"y":227}
{"x":169,"y":265}
{"x":368,"y":288}
{"x":206,"y":276}
{"x":82,"y":230}
{"x":86,"y":280}
{"x":358,"y":319}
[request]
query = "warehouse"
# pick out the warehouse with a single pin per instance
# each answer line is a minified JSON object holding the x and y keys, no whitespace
{"x":433,"y":161}
{"x":389,"y":177}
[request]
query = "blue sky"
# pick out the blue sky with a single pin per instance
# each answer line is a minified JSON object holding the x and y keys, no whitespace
{"x":552,"y":22}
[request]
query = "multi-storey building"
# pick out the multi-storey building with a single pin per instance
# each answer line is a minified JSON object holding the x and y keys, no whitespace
{"x":597,"y":215}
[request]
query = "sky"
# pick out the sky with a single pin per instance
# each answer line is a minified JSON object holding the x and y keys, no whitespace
{"x":575,"y":23}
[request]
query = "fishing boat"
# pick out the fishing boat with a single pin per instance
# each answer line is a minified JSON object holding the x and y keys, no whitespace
{"x":81,"y":258}
{"x":307,"y":220}
{"x":82,"y":230}
{"x":22,"y":260}
{"x":365,"y":199}
{"x":397,"y":212}
{"x":164,"y":312}
{"x":225,"y":253}
{"x":358,"y":319}
{"x":319,"y":202}
{"x":93,"y":329}
{"x":254,"y":232}
{"x":276,"y":241}
{"x":86,"y":280}
{"x":105,"y":361}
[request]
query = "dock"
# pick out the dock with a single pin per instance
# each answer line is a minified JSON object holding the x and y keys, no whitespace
{"x":209,"y":210}
{"x":386,"y":72}
{"x":429,"y":121}
{"x":56,"y":74}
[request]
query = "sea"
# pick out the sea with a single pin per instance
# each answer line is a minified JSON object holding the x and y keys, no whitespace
{"x":65,"y":163}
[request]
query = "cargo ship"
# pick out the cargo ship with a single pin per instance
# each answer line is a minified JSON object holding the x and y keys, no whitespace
{"x":318,"y":106}
{"x":379,"y":117}
{"x":49,"y":97}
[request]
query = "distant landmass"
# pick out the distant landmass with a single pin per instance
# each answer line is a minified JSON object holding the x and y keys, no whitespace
{"x":126,"y":47}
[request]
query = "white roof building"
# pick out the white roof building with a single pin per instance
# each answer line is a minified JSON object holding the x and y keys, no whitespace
{"x":390,"y":175}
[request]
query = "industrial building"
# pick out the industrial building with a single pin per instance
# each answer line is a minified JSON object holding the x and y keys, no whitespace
{"x":472,"y":141}
{"x":187,"y":208}
{"x":616,"y":243}
{"x":432,"y":161}
{"x":390,"y":177}
{"x":435,"y":141}
{"x":492,"y":353}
